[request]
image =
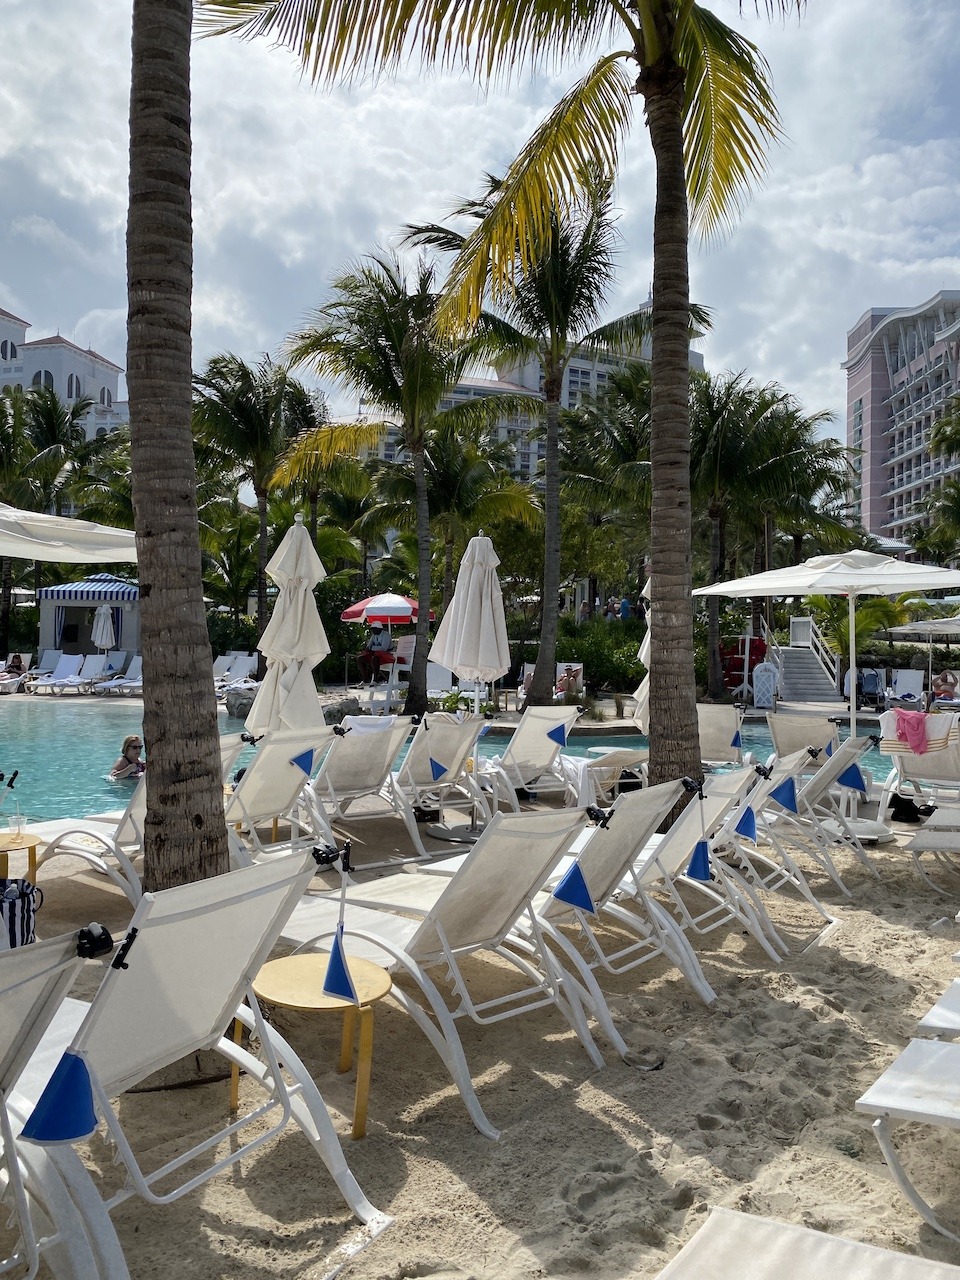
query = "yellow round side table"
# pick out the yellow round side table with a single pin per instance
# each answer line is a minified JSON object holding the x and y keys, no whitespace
{"x":296,"y":982}
{"x":14,"y":841}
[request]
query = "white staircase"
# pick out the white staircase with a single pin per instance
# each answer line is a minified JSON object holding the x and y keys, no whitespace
{"x":803,"y":679}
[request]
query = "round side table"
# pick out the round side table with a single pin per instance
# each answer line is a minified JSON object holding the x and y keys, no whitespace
{"x":296,"y":982}
{"x":14,"y":841}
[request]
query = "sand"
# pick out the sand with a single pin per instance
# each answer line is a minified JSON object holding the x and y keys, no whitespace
{"x":601,"y":1174}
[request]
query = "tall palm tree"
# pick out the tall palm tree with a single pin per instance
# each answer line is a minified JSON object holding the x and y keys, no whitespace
{"x":16,"y":452}
{"x":242,"y":416}
{"x":185,"y":836}
{"x":551,"y":310}
{"x":709,"y":113}
{"x":56,"y":430}
{"x":378,"y":336}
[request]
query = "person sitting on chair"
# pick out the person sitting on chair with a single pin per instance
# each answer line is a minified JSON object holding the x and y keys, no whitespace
{"x":14,"y":670}
{"x":945,"y":685}
{"x":369,"y":658}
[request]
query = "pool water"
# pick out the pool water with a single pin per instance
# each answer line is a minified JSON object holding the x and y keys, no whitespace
{"x":64,"y":749}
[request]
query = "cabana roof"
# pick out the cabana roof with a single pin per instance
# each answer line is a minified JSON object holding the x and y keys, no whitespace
{"x":99,"y":588}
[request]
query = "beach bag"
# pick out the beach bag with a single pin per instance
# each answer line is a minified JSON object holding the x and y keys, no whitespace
{"x":19,"y":902}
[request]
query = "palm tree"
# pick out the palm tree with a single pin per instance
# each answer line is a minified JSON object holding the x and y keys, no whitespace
{"x":551,"y":311}
{"x":378,"y":336}
{"x":56,"y":430}
{"x":185,"y":835}
{"x":16,"y":451}
{"x":242,"y":417}
{"x":709,"y":113}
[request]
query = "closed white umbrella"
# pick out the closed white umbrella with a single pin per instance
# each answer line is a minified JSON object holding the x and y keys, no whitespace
{"x":102,"y":633}
{"x":851,"y":574}
{"x":641,"y":714}
{"x":294,"y":640}
{"x":472,"y":637}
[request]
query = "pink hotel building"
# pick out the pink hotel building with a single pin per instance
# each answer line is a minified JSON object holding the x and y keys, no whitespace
{"x":902,"y":370}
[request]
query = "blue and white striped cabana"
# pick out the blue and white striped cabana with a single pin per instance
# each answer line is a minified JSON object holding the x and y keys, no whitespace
{"x":66,"y":613}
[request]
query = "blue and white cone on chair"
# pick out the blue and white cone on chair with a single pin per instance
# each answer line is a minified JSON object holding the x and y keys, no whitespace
{"x":572,"y":889}
{"x":747,"y":825}
{"x":559,"y":734}
{"x":852,"y":777}
{"x":699,"y":866}
{"x":64,"y":1111}
{"x":785,"y":794}
{"x":337,"y":981}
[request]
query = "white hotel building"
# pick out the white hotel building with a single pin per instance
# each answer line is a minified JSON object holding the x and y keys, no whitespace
{"x":67,"y":369}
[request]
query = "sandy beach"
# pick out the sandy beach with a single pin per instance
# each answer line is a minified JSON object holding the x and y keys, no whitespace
{"x":598,"y":1173}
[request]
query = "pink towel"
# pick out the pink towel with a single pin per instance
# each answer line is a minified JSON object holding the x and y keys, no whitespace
{"x":912,"y":729}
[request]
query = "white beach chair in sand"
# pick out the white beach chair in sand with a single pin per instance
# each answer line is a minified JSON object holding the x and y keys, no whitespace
{"x":275,"y":788}
{"x":434,"y":774}
{"x":928,"y":775}
{"x":357,"y":767}
{"x":907,"y":686}
{"x":447,"y":921}
{"x":740,"y":1246}
{"x":921,"y":1086}
{"x":93,"y":668}
{"x":208,"y":939}
{"x":719,"y":726}
{"x":814,"y":813}
{"x":54,"y":1206}
{"x":793,"y":733}
{"x":67,"y":668}
{"x":529,"y":762}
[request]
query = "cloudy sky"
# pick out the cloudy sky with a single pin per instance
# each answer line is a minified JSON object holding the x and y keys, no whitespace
{"x":861,"y":206}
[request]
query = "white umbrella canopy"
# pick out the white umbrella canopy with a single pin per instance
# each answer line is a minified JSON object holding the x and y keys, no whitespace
{"x":851,"y":574}
{"x":102,"y":633}
{"x":472,"y":637}
{"x":927,"y":629}
{"x":30,"y":535}
{"x":294,"y":640}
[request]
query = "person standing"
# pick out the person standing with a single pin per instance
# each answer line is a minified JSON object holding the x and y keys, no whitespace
{"x":625,"y":611}
{"x":585,"y":611}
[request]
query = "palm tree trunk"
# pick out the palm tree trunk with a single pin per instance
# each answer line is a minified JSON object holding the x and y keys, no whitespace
{"x":416,"y":703}
{"x":185,"y":832}
{"x":674,"y":741}
{"x":545,"y":672}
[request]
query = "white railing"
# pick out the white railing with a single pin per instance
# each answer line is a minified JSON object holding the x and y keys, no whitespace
{"x":805,"y":634}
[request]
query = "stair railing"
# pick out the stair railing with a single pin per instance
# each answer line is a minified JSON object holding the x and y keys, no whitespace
{"x":807,"y":635}
{"x":774,"y":652}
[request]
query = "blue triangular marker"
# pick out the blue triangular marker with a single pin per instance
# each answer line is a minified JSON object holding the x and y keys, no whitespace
{"x":699,"y":868}
{"x":747,"y":826}
{"x":437,"y":769}
{"x":573,"y":890}
{"x":64,"y":1111}
{"x":853,"y":778}
{"x":304,"y":761}
{"x":484,"y":731}
{"x":737,"y":741}
{"x":786,"y":794}
{"x":829,"y":749}
{"x":559,"y":734}
{"x":338,"y":981}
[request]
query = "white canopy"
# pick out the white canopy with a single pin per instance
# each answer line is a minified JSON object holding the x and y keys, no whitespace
{"x":851,"y":574}
{"x":471,"y":639}
{"x":294,"y":640}
{"x":30,"y":535}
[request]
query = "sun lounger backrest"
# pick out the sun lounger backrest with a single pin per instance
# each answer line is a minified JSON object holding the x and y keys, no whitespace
{"x":48,"y":660}
{"x":284,"y":763}
{"x":68,"y":665}
{"x":793,"y":733}
{"x":221,"y":665}
{"x":196,"y":949}
{"x":361,"y":760}
{"x":538,"y":738}
{"x":908,"y":683}
{"x":611,"y":850}
{"x":828,"y":773}
{"x":701,"y":817}
{"x":135,"y":669}
{"x":506,"y":866}
{"x":94,"y":665}
{"x":439,"y":749}
{"x":33,"y":981}
{"x":242,"y":668}
{"x":130,"y":827}
{"x":719,"y":727}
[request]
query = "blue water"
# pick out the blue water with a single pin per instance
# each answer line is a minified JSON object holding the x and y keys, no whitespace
{"x":64,"y":749}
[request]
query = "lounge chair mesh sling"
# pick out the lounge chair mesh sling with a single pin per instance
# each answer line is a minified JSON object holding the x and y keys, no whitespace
{"x":445,"y":921}
{"x":529,"y":761}
{"x":208,"y":938}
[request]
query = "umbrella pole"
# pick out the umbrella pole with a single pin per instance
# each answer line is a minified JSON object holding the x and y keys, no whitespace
{"x":852,"y":617}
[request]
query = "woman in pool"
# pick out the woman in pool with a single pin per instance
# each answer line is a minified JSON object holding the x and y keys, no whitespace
{"x":130,"y":765}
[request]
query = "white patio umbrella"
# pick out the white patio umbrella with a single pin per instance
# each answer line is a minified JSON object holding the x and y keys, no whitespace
{"x":472,"y":637}
{"x":294,"y":640}
{"x":926,"y":630}
{"x":850,"y":574}
{"x":102,"y":633}
{"x":31,"y":535}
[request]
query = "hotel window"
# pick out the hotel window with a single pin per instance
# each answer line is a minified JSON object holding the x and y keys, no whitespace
{"x":43,"y":378}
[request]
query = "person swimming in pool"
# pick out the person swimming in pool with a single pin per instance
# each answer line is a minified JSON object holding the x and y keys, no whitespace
{"x":130,"y":764}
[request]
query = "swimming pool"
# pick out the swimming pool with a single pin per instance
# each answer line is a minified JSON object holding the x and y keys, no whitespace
{"x":64,"y":749}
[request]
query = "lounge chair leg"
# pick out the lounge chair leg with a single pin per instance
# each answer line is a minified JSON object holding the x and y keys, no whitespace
{"x":881,"y":1129}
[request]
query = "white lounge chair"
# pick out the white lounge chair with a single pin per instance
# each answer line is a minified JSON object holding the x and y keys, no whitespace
{"x":240,"y":671}
{"x":357,"y":766}
{"x":92,"y":669}
{"x":224,"y":929}
{"x":468,"y":914}
{"x":530,"y":760}
{"x":740,"y":1246}
{"x":922,"y":1086}
{"x":930,"y":774}
{"x":596,"y":778}
{"x":719,"y":727}
{"x":907,"y":686}
{"x":56,"y":1211}
{"x":46,"y":664}
{"x":130,"y":682}
{"x":793,"y":733}
{"x":275,"y":787}
{"x":434,"y":773}
{"x":68,"y":666}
